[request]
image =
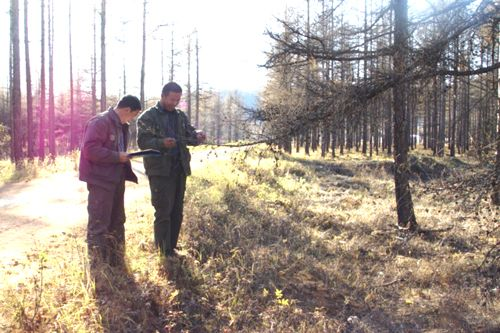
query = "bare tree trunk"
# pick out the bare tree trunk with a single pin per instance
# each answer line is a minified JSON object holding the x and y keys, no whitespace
{"x":229,"y":112}
{"x":29,"y":95}
{"x":52,"y":138}
{"x":378,"y":120}
{"x":334,"y":143}
{"x":496,"y":83}
{"x":94,"y":68}
{"x":218,"y":122}
{"x":189,"y":79}
{"x":72,"y":130}
{"x":15,"y":84}
{"x":308,"y":79}
{"x":236,"y":131}
{"x":124,"y":80}
{"x":314,"y":138}
{"x":341,"y":137}
{"x":143,"y":63}
{"x":453,"y":120}
{"x":133,"y":124}
{"x":171,"y":78}
{"x":389,"y":115}
{"x":442,"y":116}
{"x":161,"y":62}
{"x":481,"y":112}
{"x":325,"y":141}
{"x":197,"y":117}
{"x":426,"y":114}
{"x":103,"y":55}
{"x":364,"y":108}
{"x":406,"y":215}
{"x":434,"y":144}
{"x":307,"y":136}
{"x":41,"y":123}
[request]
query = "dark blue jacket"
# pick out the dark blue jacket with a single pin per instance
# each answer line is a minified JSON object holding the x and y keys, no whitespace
{"x":99,"y":156}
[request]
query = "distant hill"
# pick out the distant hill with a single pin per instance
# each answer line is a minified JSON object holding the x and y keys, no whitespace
{"x":249,"y":98}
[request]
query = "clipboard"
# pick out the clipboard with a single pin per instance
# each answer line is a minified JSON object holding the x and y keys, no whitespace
{"x":142,"y":153}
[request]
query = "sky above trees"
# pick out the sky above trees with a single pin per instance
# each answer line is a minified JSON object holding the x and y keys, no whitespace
{"x":231,"y":39}
{"x":230,"y":33}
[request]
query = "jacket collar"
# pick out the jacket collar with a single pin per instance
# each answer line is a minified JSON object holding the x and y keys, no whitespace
{"x":114,"y":117}
{"x":161,"y":109}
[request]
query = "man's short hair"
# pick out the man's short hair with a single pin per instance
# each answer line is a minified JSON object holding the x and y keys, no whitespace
{"x":171,"y":87}
{"x":131,"y":102}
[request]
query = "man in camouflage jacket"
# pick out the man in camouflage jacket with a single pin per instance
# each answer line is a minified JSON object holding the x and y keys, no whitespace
{"x":167,"y":129}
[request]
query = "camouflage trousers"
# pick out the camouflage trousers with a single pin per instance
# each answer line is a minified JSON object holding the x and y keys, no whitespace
{"x":167,"y":197}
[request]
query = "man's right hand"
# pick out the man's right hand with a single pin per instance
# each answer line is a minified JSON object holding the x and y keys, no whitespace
{"x":169,"y":142}
{"x":124,"y":157}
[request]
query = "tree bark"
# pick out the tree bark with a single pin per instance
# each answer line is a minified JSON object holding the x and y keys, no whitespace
{"x":364,"y":108}
{"x":94,"y":68}
{"x":406,"y":215}
{"x":442,"y":116}
{"x":103,"y":55}
{"x":29,"y":94}
{"x":15,"y":99}
{"x":197,"y":107}
{"x":496,"y":83}
{"x":41,"y":122}
{"x":143,"y":62}
{"x":453,"y":117}
{"x":189,"y":78}
{"x":171,"y":77}
{"x":218,"y":122}
{"x":51,"y":134}
{"x":72,"y":130}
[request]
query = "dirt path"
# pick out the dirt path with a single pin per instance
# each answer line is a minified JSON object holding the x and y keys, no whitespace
{"x":33,"y":212}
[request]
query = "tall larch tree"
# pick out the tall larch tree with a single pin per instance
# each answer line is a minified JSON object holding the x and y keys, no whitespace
{"x":41,"y":114}
{"x":29,"y":95}
{"x":15,"y":86}
{"x":94,"y":66}
{"x":406,"y":215}
{"x":51,"y":127}
{"x":189,"y":78}
{"x":197,"y":93}
{"x":72,"y":134}
{"x":103,"y":55}
{"x":143,"y":62}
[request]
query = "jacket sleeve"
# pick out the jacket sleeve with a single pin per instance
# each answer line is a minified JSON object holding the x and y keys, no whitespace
{"x":189,"y":131}
{"x":146,"y":138}
{"x":94,"y":143}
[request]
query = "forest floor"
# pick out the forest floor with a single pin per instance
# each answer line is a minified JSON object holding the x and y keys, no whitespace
{"x":35,"y":209}
{"x":271,"y":243}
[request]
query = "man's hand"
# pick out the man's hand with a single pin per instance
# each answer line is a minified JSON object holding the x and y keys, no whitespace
{"x":200,"y":136}
{"x":169,"y":142}
{"x":124,"y":157}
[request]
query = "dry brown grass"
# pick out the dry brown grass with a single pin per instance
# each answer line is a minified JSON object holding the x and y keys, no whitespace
{"x":294,"y":244}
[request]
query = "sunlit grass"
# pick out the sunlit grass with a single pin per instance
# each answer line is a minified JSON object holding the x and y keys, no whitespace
{"x":36,"y":168}
{"x":285,"y":244}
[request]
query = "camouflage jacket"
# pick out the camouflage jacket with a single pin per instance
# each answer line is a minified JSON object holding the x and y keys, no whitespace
{"x":151,"y":132}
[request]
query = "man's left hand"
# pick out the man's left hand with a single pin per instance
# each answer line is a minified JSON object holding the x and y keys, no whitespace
{"x":200,"y":136}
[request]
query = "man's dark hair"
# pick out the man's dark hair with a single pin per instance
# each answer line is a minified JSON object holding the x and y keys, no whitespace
{"x":131,"y":102}
{"x":171,"y":87}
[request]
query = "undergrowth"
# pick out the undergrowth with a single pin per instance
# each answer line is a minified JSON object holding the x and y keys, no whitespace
{"x":279,"y":243}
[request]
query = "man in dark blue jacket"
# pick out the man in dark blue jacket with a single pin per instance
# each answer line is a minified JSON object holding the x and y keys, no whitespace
{"x":104,"y":166}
